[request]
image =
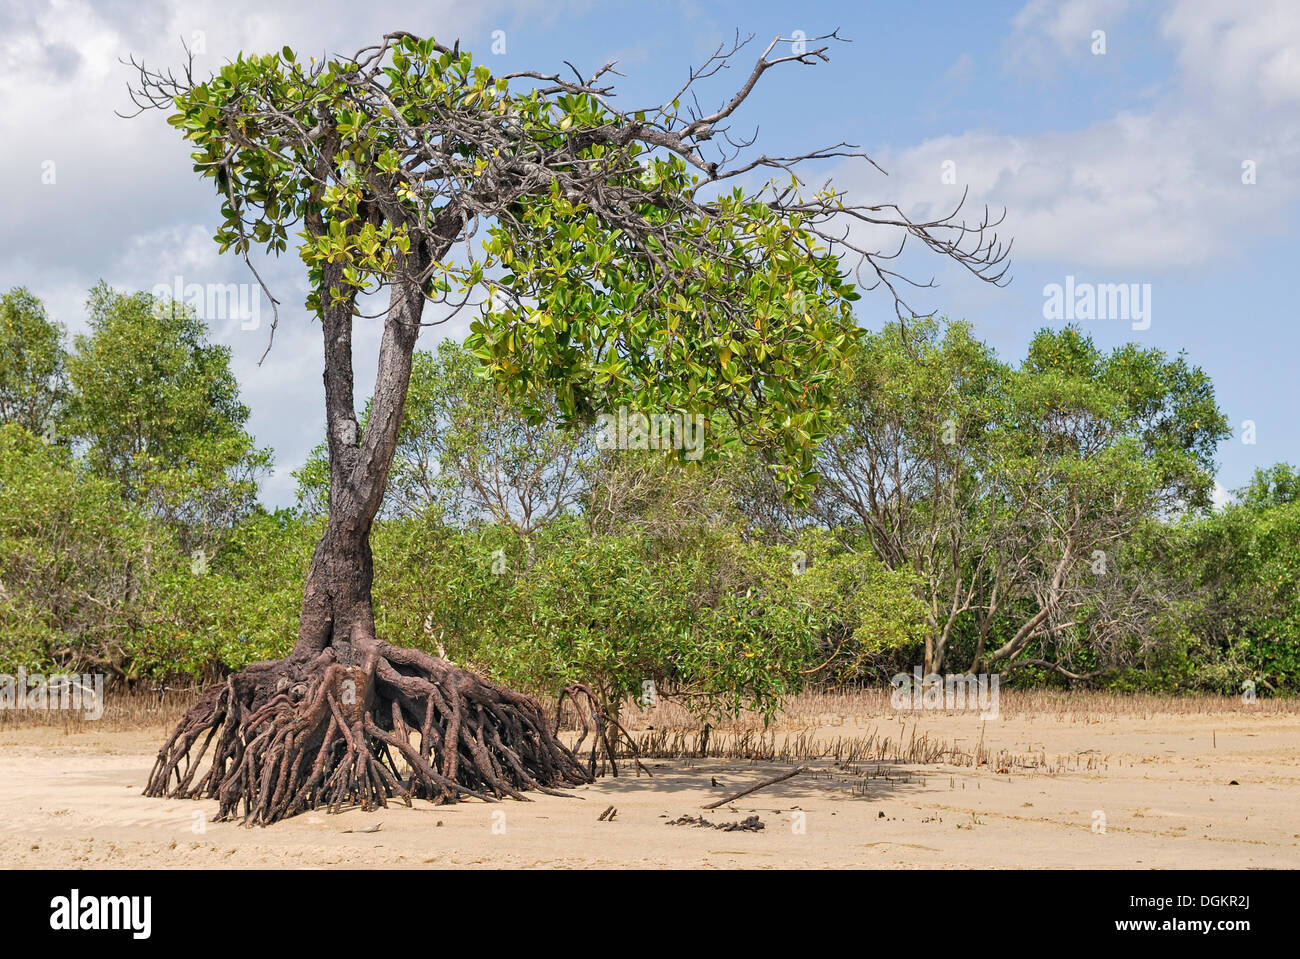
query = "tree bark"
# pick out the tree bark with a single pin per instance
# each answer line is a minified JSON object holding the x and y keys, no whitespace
{"x":337,"y":594}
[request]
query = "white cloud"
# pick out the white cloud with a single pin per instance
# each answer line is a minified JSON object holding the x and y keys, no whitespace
{"x":1043,"y":30}
{"x":1141,"y":190}
{"x":1238,"y":51}
{"x":1220,"y":497}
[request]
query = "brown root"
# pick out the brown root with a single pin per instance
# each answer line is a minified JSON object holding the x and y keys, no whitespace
{"x":605,"y":727}
{"x":289,"y":736}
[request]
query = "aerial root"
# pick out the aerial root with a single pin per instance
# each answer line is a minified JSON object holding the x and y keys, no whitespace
{"x":284,"y":737}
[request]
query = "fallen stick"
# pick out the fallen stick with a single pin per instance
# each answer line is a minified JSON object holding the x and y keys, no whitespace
{"x":755,"y":788}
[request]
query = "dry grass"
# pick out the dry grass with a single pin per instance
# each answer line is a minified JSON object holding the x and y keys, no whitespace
{"x":848,"y":753}
{"x":804,"y":732}
{"x":820,"y":709}
{"x":806,"y":729}
{"x":122,"y":710}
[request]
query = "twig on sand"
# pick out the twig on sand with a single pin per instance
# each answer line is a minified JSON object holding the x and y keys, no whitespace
{"x":756,"y":787}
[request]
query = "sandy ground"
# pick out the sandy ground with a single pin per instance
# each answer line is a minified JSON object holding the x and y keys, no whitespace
{"x":1160,"y":785}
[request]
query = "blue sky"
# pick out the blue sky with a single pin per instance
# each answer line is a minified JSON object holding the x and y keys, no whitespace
{"x":1117,"y":167}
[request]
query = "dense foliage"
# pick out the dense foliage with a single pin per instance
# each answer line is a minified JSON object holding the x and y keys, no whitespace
{"x":1048,"y":519}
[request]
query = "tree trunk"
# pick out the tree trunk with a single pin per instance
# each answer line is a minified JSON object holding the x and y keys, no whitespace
{"x":336,"y":597}
{"x":347,"y":718}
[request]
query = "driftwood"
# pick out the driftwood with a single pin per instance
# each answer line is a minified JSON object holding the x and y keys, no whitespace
{"x":757,"y":786}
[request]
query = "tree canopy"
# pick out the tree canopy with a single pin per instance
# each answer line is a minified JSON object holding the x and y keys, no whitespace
{"x":32,"y":376}
{"x":157,"y":408}
{"x":622,"y":270}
